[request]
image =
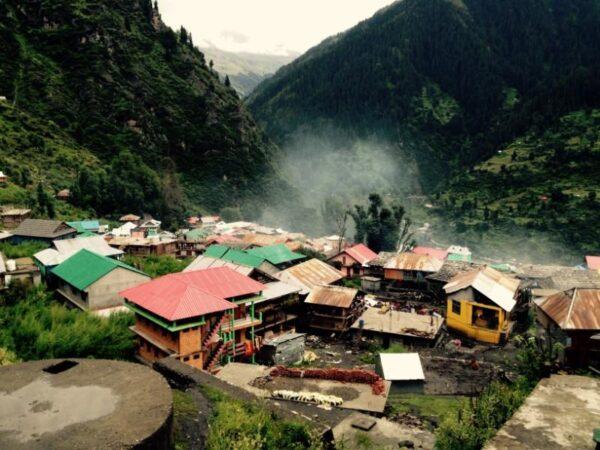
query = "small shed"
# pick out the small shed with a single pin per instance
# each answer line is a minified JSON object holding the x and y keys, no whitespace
{"x":286,"y":349}
{"x":370,"y":284}
{"x":403,"y":370}
{"x":63,"y":194}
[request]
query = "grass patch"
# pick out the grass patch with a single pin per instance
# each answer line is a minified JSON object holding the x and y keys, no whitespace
{"x":23,"y":250}
{"x":433,"y":408}
{"x":184,"y":408}
{"x":250,"y":426}
{"x":374,"y":350}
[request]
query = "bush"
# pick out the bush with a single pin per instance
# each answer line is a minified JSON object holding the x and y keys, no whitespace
{"x":36,"y":327}
{"x":25,"y":249}
{"x":249,"y":426}
{"x":478,"y":421}
{"x":157,"y":266}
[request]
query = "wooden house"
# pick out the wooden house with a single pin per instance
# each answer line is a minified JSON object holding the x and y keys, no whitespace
{"x":332,"y":309}
{"x":410,"y":270}
{"x":436,"y":281}
{"x":43,"y":231}
{"x":278,"y":309}
{"x":573,"y":318}
{"x":92,"y":282}
{"x":143,"y":246}
{"x":352,"y":260}
{"x":309,"y":275}
{"x":479,"y":304}
{"x":12,"y":217}
{"x":202,"y":317}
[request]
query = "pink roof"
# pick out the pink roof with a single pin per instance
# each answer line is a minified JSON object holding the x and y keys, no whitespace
{"x":191,"y":294}
{"x":593,"y":262}
{"x":436,"y":253}
{"x":361,"y":253}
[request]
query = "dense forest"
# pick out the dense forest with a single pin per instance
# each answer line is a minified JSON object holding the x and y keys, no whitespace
{"x":114,"y":82}
{"x":447,"y":83}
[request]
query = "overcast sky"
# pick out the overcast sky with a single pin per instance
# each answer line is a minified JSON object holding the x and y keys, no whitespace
{"x":266,"y":26}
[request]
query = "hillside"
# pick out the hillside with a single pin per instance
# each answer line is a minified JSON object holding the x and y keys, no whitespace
{"x":116,"y":80}
{"x":245,"y":70}
{"x":545,"y":181}
{"x":442,"y":85}
{"x":446,"y":81}
{"x":35,"y":151}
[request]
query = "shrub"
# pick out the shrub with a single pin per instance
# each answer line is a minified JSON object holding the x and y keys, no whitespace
{"x":36,"y":327}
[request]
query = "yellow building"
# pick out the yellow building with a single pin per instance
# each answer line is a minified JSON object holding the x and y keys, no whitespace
{"x":479,"y":304}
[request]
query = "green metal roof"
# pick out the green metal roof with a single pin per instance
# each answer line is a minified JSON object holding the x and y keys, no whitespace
{"x":85,"y":268}
{"x":276,"y":254}
{"x":233,"y":255}
{"x":84,"y":225}
{"x":216,"y":251}
{"x":243,"y":258}
{"x":459,"y":257}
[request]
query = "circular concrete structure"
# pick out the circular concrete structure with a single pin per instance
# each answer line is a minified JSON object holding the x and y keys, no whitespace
{"x":83,"y":404}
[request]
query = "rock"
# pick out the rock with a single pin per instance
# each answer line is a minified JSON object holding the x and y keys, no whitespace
{"x":406,"y":444}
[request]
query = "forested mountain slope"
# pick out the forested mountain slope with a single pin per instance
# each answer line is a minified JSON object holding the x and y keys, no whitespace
{"x":140,"y":98}
{"x":447,"y":81}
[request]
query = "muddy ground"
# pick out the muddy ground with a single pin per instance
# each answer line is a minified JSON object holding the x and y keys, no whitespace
{"x":449,"y":369}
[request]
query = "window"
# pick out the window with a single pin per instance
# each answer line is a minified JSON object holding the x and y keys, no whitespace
{"x":186,"y":359}
{"x":455,"y":307}
{"x":197,"y":356}
{"x":485,"y":317}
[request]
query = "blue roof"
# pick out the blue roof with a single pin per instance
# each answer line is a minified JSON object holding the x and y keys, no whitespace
{"x":85,"y":225}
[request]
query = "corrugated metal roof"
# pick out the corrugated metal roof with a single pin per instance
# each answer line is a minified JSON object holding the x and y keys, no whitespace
{"x":309,"y":274}
{"x":263,"y":240}
{"x":277,"y":289}
{"x":496,"y":286}
{"x":452,"y":268}
{"x":85,"y":225}
{"x":85,"y":268}
{"x":97,"y":244}
{"x":276,"y":254}
{"x":174,"y":299}
{"x":593,"y":262}
{"x":206,"y":262}
{"x":401,"y":366}
{"x":216,"y":251}
{"x":413,"y":262}
{"x":337,"y":296}
{"x":575,"y":309}
{"x":437,"y":253}
{"x":42,"y":228}
{"x":190,"y":294}
{"x":129,"y":218}
{"x":15,"y":212}
{"x":361,"y":253}
{"x":399,"y":323}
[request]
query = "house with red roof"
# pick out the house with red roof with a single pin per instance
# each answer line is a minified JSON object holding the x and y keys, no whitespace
{"x":593,"y":262}
{"x":437,"y":253}
{"x":201,"y":317}
{"x":352,"y":260}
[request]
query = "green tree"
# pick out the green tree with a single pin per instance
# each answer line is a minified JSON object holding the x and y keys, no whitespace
{"x":382,"y":228}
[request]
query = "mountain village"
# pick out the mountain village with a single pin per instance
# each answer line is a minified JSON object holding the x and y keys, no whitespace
{"x":327,"y":329}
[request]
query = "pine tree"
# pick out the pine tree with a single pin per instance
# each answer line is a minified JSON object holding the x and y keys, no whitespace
{"x":227,"y":82}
